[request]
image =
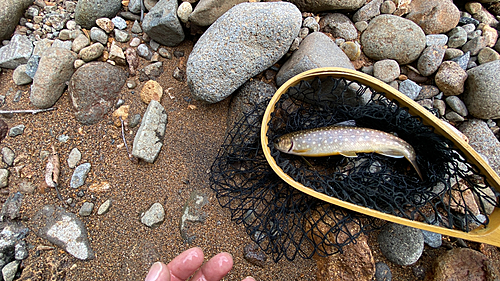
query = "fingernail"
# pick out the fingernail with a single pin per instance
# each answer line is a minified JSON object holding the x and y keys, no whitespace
{"x":154,"y":272}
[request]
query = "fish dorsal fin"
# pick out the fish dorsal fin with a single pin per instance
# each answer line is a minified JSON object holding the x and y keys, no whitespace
{"x":349,"y":154}
{"x":391,"y":153}
{"x":347,"y":123}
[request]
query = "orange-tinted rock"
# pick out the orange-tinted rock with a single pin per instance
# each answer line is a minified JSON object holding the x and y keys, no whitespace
{"x":463,"y":264}
{"x":434,"y":16}
{"x":151,"y":91}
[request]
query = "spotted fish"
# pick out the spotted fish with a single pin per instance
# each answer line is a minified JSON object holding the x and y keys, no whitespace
{"x":346,"y":141}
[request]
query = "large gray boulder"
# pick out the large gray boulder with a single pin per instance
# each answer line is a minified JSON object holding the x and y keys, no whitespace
{"x":87,"y":11}
{"x":163,"y":25}
{"x":207,"y":12}
{"x":54,"y":70}
{"x":17,"y":52}
{"x":393,"y":37}
{"x":243,"y":42}
{"x":327,"y":5}
{"x":317,"y":50}
{"x":481,"y":91}
{"x":10,"y":13}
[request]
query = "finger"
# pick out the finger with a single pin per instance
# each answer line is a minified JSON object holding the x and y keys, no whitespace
{"x":249,"y":278}
{"x":216,"y":268}
{"x":158,"y":272}
{"x":185,"y":264}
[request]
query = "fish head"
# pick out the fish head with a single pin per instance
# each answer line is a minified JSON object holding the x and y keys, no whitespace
{"x":283,"y":144}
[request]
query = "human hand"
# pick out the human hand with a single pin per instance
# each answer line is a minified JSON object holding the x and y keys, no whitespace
{"x":189,"y":262}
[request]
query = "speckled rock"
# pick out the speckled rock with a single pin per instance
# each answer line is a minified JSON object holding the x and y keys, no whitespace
{"x":401,"y":244}
{"x":457,"y":37}
{"x":105,"y":24}
{"x":392,"y":37}
{"x":436,"y":39}
{"x":462,"y":60}
{"x":17,"y":52}
{"x":116,"y":54}
{"x":328,"y":5}
{"x":434,"y":16}
{"x":184,"y":11}
{"x":152,"y":90}
{"x":382,"y":270}
{"x":457,"y":105}
{"x":94,"y":88}
{"x":410,"y":88}
{"x":317,"y":50}
{"x":11,"y":12}
{"x":482,"y":139}
{"x":98,"y":35}
{"x":368,"y":11}
{"x":149,"y":138}
{"x":450,"y":78}
{"x":463,"y":264}
{"x":88,"y":11}
{"x":271,"y":27}
{"x":351,"y":49}
{"x":339,"y":25}
{"x":91,"y":52}
{"x":86,"y":209}
{"x":122,"y":36}
{"x":54,"y":71}
{"x":4,"y":178}
{"x":64,"y":229}
{"x":485,"y":17}
{"x":104,"y":208}
{"x":487,"y":55}
{"x":386,"y":70}
{"x":481,"y":91}
{"x":154,"y":216}
{"x":79,"y":43}
{"x":207,"y":12}
{"x":475,"y":45}
{"x":162,"y":23}
{"x":430,"y":59}
{"x":74,"y":157}
{"x":490,"y":34}
{"x":79,"y":175}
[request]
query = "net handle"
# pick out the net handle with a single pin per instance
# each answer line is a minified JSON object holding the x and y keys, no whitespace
{"x":489,"y":234}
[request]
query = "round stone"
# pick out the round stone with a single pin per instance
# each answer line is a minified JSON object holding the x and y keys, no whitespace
{"x":386,"y":70}
{"x":393,"y":37}
{"x":402,"y":245}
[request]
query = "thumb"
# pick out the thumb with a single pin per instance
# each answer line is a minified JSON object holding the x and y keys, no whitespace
{"x":158,"y":272}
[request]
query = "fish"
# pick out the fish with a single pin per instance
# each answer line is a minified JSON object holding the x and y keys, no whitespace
{"x":346,"y":141}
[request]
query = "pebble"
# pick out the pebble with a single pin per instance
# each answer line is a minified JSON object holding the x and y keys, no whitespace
{"x":86,"y":209}
{"x":4,"y":178}
{"x":17,"y":52}
{"x":151,"y":72}
{"x":485,"y":55}
{"x":32,"y":66}
{"x":78,"y":63}
{"x":401,"y":244}
{"x":132,"y":60}
{"x":466,"y":20}
{"x":135,"y":42}
{"x":116,"y":54}
{"x":491,"y":35}
{"x":184,"y":11}
{"x":20,"y":250}
{"x":80,"y":175}
{"x":351,"y":49}
{"x":454,"y":117}
{"x":154,"y":216}
{"x":9,"y":270}
{"x":74,"y":157}
{"x":97,"y":187}
{"x":481,"y":93}
{"x":431,"y":59}
{"x":131,"y":84}
{"x":474,"y":34}
{"x":20,"y":77}
{"x":469,"y":27}
{"x":144,"y":52}
{"x":121,"y":36}
{"x":427,"y":92}
{"x":91,"y":52}
{"x":475,"y":45}
{"x":80,"y":42}
{"x":387,"y":7}
{"x":104,"y":208}
{"x":98,"y":35}
{"x":462,"y":60}
{"x":434,"y":240}
{"x":163,"y":25}
{"x":8,"y":156}
{"x":457,"y":37}
{"x":149,"y":137}
{"x":164,"y":53}
{"x":16,"y":130}
{"x":457,"y":105}
{"x":154,"y":45}
{"x":119,"y":23}
{"x":409,"y":88}
{"x":386,"y":70}
{"x":312,"y":24}
{"x":435,"y":39}
{"x":134,"y":120}
{"x":462,"y":263}
{"x":151,"y":91}
{"x":368,"y":11}
{"x":63,"y":138}
{"x":254,"y":255}
{"x":361,"y":25}
{"x":304,"y":31}
{"x":382,"y":270}
{"x":136,"y":27}
{"x":440,"y":105}
{"x":450,"y":78}
{"x":63,"y":229}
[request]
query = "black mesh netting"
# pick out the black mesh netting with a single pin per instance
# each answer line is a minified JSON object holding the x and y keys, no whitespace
{"x":286,"y":222}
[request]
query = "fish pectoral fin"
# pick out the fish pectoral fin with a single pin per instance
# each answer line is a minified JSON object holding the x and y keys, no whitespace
{"x":347,"y":123}
{"x":348,"y":154}
{"x":300,"y":150}
{"x":391,"y":153}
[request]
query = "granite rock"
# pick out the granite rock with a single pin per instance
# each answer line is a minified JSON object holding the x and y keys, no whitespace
{"x":163,"y":25}
{"x":88,"y":11}
{"x":149,"y":138}
{"x":481,"y":91}
{"x":327,"y":5}
{"x":207,"y":12}
{"x":17,"y":52}
{"x":450,"y":78}
{"x":434,"y":16}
